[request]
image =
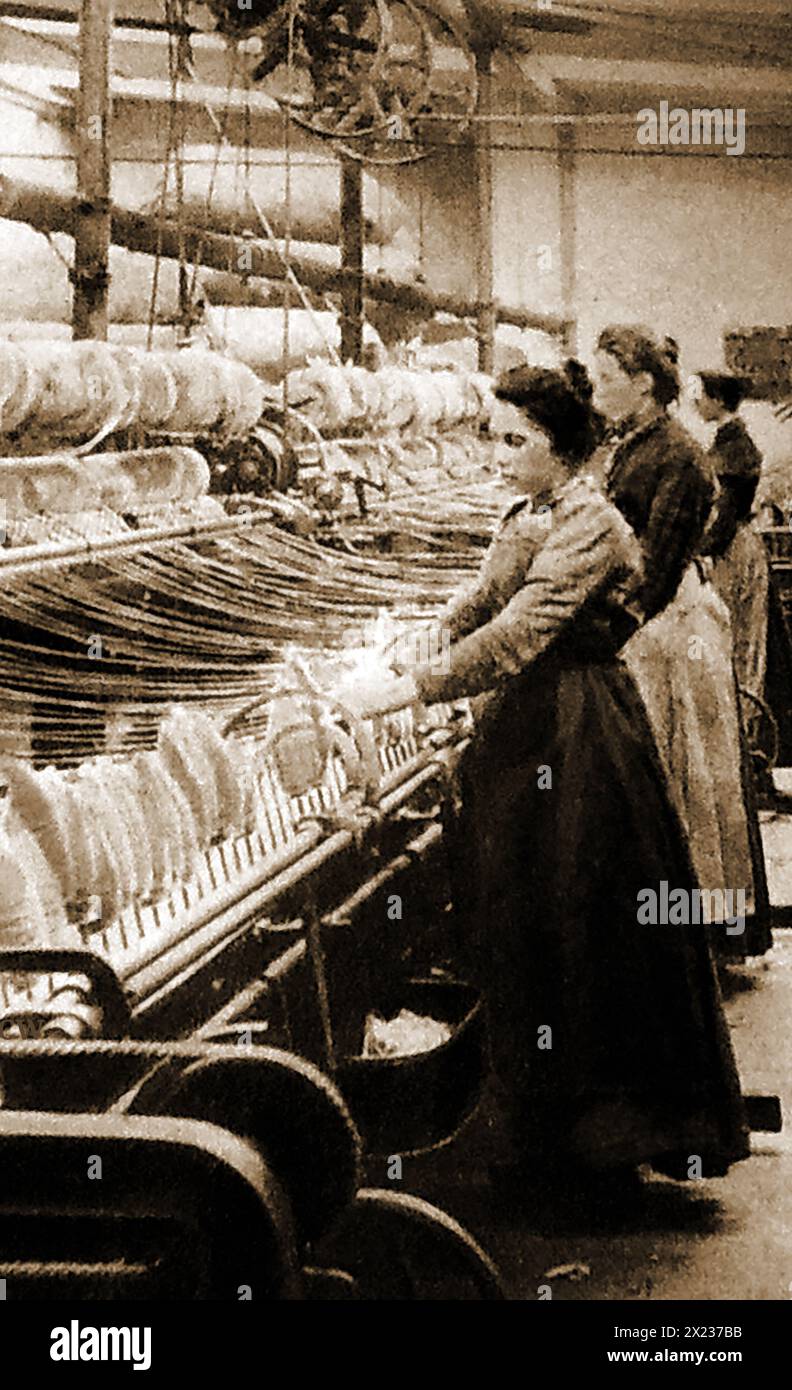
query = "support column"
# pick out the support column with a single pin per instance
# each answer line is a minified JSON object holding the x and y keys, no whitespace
{"x":567,"y":214}
{"x":92,"y":221}
{"x":352,"y":261}
{"x":485,"y":273}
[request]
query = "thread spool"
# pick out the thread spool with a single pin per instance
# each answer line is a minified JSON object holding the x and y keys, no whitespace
{"x":19,"y":387}
{"x":158,"y":392}
{"x":201,"y":392}
{"x":104,"y":389}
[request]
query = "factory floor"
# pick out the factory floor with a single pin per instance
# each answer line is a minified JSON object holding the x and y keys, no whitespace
{"x":729,"y":1238}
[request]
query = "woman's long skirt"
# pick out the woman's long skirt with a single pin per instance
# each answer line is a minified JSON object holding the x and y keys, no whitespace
{"x":682,"y":664}
{"x":607,"y":1031}
{"x":762,"y":643}
{"x":742,"y":578}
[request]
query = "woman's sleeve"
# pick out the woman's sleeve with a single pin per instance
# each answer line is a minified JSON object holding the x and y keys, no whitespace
{"x":728,"y":512}
{"x":588,"y":545}
{"x":467,"y":610}
{"x":471,"y":607}
{"x":680,"y":507}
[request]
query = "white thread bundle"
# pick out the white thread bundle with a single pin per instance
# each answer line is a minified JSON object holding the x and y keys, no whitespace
{"x":78,"y":392}
{"x":395,"y":398}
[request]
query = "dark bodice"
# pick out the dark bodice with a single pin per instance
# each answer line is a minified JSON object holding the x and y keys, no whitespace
{"x":658,"y":479}
{"x":734,"y":453}
{"x":737,"y":464}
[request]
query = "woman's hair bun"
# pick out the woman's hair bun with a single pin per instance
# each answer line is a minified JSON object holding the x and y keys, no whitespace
{"x":728,"y":391}
{"x":637,"y":350}
{"x":670,"y":348}
{"x":558,"y":400}
{"x":578,"y":379}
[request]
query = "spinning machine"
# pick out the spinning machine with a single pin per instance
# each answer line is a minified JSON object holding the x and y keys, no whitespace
{"x":200,"y":845}
{"x":108,"y":626}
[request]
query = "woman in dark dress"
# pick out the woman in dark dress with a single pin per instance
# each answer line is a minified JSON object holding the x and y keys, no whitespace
{"x":735,"y":459}
{"x":742,"y":571}
{"x":681,"y":658}
{"x":743,"y":576}
{"x":607,"y":1034}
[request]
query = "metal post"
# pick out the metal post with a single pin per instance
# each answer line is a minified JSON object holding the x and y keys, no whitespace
{"x":485,"y":274}
{"x":351,"y":261}
{"x":92,"y":222}
{"x":567,"y":213}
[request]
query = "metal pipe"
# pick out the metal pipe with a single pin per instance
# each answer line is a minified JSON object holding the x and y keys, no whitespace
{"x":41,"y":558}
{"x":257,"y":893}
{"x":372,"y":886}
{"x":48,"y":210}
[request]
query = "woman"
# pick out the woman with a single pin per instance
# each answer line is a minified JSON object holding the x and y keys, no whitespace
{"x":743,"y":578}
{"x":741,"y":567}
{"x":681,"y":657}
{"x":607,"y":1035}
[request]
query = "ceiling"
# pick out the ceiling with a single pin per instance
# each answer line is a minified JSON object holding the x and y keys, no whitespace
{"x":759,"y":31}
{"x":586,"y":59}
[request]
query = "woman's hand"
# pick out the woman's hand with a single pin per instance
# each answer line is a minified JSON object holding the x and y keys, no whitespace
{"x":378,"y":693}
{"x":412,"y":646}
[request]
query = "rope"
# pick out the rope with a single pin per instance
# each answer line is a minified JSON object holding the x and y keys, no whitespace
{"x":175,"y":150}
{"x":289,"y":273}
{"x":246,"y":157}
{"x":161,"y":215}
{"x":252,"y":600}
{"x":72,"y":1269}
{"x":221,"y":128}
{"x":53,"y":247}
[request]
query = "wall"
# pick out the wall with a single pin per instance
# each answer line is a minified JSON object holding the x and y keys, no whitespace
{"x":689,"y":244}
{"x":693,"y":247}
